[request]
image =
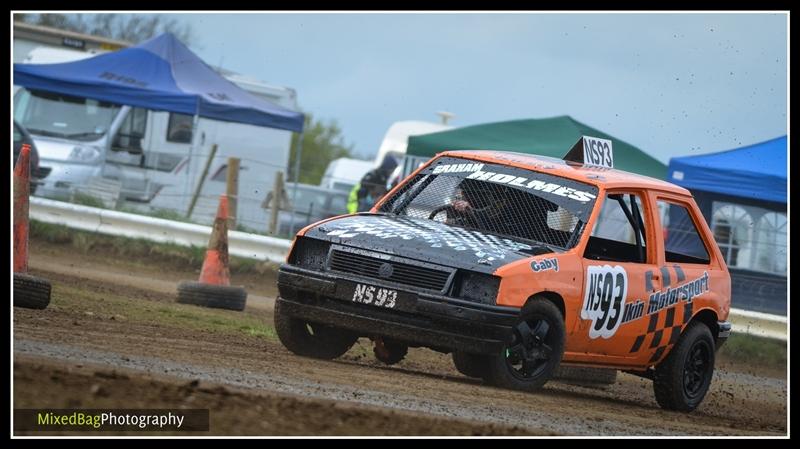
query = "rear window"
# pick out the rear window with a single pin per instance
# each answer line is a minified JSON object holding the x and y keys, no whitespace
{"x":682,"y":241}
{"x":497,"y":199}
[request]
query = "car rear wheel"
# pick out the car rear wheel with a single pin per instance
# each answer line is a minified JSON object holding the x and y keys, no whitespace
{"x":535,"y":351}
{"x":314,"y":340}
{"x":470,"y":365}
{"x":681,"y":381}
{"x":389,"y":351}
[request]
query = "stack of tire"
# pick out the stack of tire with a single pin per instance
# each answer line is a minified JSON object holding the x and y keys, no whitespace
{"x":31,"y":292}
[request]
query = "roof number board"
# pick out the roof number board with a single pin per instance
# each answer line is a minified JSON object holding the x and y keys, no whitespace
{"x":592,"y":151}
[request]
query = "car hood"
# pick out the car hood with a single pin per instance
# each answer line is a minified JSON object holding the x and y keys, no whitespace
{"x":425,"y":240}
{"x":55,"y":149}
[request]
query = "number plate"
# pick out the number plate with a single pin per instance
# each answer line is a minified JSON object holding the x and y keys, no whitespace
{"x":376,"y":296}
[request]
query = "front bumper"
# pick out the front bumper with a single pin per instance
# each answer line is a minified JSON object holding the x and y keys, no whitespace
{"x":63,"y":177}
{"x":431,"y":320}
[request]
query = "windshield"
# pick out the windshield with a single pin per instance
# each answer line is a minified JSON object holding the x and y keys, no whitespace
{"x":58,"y":115}
{"x":497,"y":199}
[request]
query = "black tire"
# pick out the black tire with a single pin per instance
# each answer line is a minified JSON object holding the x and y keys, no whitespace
{"x":682,"y":379}
{"x":586,"y":376}
{"x":311,"y":339}
{"x":393,"y":351}
{"x":543,"y":345}
{"x":470,"y":365}
{"x":31,"y":292}
{"x":215,"y":296}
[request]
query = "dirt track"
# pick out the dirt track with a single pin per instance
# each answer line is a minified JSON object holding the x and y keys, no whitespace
{"x":60,"y":351}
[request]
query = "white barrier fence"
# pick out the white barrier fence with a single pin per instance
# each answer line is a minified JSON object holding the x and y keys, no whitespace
{"x":265,"y":248}
{"x":759,"y":324}
{"x":111,"y":222}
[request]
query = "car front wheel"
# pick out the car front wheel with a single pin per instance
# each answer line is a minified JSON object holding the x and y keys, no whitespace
{"x":311,"y":339}
{"x":535,"y":351}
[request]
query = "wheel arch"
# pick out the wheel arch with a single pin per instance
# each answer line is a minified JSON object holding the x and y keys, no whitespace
{"x":709,"y":318}
{"x":553,"y":297}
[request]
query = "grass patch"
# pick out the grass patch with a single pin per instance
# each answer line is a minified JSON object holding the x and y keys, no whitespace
{"x":138,"y":250}
{"x":87,"y":200}
{"x":756,"y":351}
{"x":105,"y":305}
{"x":165,"y":214}
{"x":169,"y":215}
{"x":50,"y":233}
{"x":242,"y":228}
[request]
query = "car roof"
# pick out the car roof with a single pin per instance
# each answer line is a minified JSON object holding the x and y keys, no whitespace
{"x":608,"y":178}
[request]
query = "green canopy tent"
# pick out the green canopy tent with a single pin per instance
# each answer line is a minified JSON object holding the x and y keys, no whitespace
{"x":547,"y":137}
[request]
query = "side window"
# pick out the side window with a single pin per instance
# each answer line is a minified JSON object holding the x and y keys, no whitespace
{"x":21,"y":100}
{"x":17,"y":135}
{"x":130,"y":134}
{"x":179,"y":129}
{"x":682,"y":241}
{"x":619,"y":233}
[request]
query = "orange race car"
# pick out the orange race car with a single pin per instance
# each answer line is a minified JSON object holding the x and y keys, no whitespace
{"x":515,"y":264}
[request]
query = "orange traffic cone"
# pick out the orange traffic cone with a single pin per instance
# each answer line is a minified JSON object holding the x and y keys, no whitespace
{"x":214,"y":287}
{"x":29,"y":291}
{"x":215,"y":266}
{"x":22,"y":183}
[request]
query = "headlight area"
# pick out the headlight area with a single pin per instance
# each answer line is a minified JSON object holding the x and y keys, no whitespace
{"x":477,"y":287}
{"x":85,"y":154}
{"x":309,"y":253}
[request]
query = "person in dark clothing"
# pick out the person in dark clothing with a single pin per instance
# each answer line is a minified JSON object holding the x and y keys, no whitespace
{"x":371,"y":187}
{"x":476,"y":204}
{"x":496,"y":208}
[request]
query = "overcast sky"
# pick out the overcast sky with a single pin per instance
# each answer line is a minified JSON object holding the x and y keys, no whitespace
{"x":671,"y":84}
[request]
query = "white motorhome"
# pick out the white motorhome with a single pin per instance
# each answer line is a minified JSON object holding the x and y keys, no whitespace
{"x":395,"y":141}
{"x":54,"y":55}
{"x":344,"y":173}
{"x":152,"y":154}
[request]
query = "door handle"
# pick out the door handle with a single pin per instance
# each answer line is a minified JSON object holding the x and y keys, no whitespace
{"x":655,"y":280}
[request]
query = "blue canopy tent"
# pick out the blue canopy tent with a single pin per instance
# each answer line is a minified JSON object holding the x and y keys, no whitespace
{"x":755,"y":171}
{"x":160,"y":74}
{"x":743,"y":196}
